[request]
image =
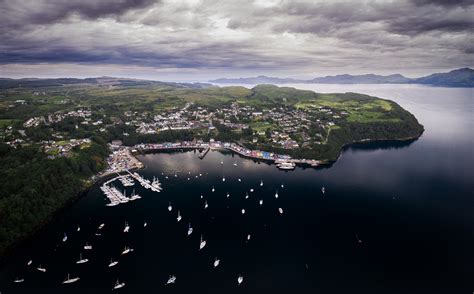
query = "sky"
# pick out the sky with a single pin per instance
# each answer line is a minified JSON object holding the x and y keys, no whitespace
{"x":197,"y":40}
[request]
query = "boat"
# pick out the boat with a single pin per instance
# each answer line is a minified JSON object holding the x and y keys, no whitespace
{"x":261,"y":202}
{"x":243,"y":211}
{"x":179,"y":217}
{"x":145,"y":224}
{"x":248,"y":237}
{"x":126,"y":250}
{"x":78,"y":228}
{"x":65,"y":237}
{"x":251,"y":189}
{"x":282,"y":185}
{"x":223,"y":178}
{"x":235,"y":163}
{"x":202,"y":244}
{"x":18,"y":280}
{"x":216,"y":262}
{"x":118,"y":285}
{"x":87,"y":247}
{"x":280,"y":210}
{"x":190,"y":229}
{"x":227,"y":195}
{"x":127,"y":228}
{"x":30,"y":262}
{"x":134,"y":196}
{"x":246,"y":195}
{"x":213,"y":189}
{"x":41,"y":269}
{"x":70,"y":280}
{"x":286,"y":165}
{"x":101,"y":226}
{"x":222,"y":162}
{"x":276,"y":194}
{"x":82,"y":260}
{"x":98,"y":234}
{"x":202,"y":196}
{"x":240,"y":180}
{"x":171,"y":280}
{"x":169,"y":206}
{"x":206,"y":205}
{"x":112,"y":263}
{"x":261,"y":183}
{"x":240,"y":279}
{"x":323,"y":190}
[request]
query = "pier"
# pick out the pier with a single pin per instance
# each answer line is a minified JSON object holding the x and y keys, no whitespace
{"x":203,"y":153}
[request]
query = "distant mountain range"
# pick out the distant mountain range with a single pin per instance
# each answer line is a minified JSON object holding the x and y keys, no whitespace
{"x":463,"y":77}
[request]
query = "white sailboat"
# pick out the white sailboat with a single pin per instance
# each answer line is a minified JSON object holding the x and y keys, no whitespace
{"x":276,"y":194}
{"x":227,"y":195}
{"x":240,"y":180}
{"x":41,"y":269}
{"x":222,"y":162}
{"x":283,"y":186}
{"x":261,"y":183}
{"x":248,"y":237}
{"x":179,"y":217}
{"x":112,"y":263}
{"x":18,"y":280}
{"x":246,"y":195}
{"x":243,"y":211}
{"x":251,"y":189}
{"x":145,"y":224}
{"x":235,"y":163}
{"x":213,"y":189}
{"x":126,"y":250}
{"x":126,"y":229}
{"x":223,"y":178}
{"x":202,"y":244}
{"x":82,"y":260}
{"x":118,"y":285}
{"x":30,"y":262}
{"x":78,"y":228}
{"x":240,"y":279}
{"x":87,"y":247}
{"x":190,"y":229}
{"x":206,"y":205}
{"x":216,"y":262}
{"x":280,"y":210}
{"x":171,"y":280}
{"x":70,"y":280}
{"x":65,"y":237}
{"x":169,"y":206}
{"x":323,"y":190}
{"x":261,"y":202}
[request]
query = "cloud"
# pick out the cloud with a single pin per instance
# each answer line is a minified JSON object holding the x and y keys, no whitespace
{"x":253,"y":36}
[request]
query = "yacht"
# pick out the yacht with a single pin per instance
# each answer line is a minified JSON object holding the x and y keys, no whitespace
{"x":70,"y":280}
{"x":18,"y":280}
{"x":261,"y":202}
{"x":126,"y":250}
{"x":87,"y":247}
{"x":169,"y":206}
{"x":171,"y":280}
{"x":190,"y":229}
{"x":127,"y":228}
{"x":243,"y":211}
{"x":118,"y":285}
{"x":202,"y":244}
{"x":82,"y":260}
{"x":112,"y":263}
{"x":179,"y":217}
{"x":286,"y":165}
{"x":134,"y":196}
{"x":65,"y":237}
{"x":41,"y":269}
{"x":280,"y":210}
{"x":240,"y":279}
{"x":261,"y":183}
{"x":216,"y":262}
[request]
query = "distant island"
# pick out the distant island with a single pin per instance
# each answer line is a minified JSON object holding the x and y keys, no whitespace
{"x":55,"y":133}
{"x":463,"y":77}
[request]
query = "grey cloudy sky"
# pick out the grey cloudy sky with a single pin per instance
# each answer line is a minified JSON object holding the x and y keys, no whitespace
{"x":202,"y":39}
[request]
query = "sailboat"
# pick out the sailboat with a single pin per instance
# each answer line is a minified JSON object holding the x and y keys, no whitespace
{"x":213,"y":189}
{"x":240,"y":180}
{"x":283,"y":186}
{"x":112,"y":263}
{"x":222,"y":162}
{"x":171,"y":280}
{"x":216,"y":262}
{"x":81,"y":260}
{"x":41,"y":269}
{"x":261,"y":202}
{"x":190,"y":229}
{"x":227,"y":195}
{"x":78,"y":228}
{"x":240,"y":279}
{"x":202,"y":244}
{"x":235,"y":163}
{"x":127,"y":228}
{"x":179,"y":217}
{"x":65,"y":237}
{"x":276,"y":194}
{"x":280,"y":210}
{"x":145,"y":224}
{"x":246,"y":195}
{"x":206,"y":205}
{"x":18,"y":280}
{"x":248,"y":237}
{"x":30,"y":262}
{"x":87,"y":247}
{"x":261,"y":183}
{"x":243,"y":211}
{"x":251,"y":189}
{"x":118,"y":285}
{"x":323,"y":190}
{"x":126,"y":250}
{"x":169,"y":206}
{"x":223,"y":178}
{"x":70,"y":280}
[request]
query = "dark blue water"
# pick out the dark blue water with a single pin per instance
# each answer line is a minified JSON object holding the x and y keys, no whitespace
{"x":410,"y":205}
